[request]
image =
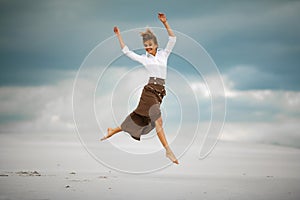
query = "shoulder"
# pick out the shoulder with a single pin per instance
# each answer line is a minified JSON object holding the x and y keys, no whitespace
{"x":162,"y":52}
{"x":159,"y":50}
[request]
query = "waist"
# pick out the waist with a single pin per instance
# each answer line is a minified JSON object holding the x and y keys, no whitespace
{"x":156,"y":80}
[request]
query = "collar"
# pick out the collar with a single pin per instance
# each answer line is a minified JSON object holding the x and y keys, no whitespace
{"x":149,"y":55}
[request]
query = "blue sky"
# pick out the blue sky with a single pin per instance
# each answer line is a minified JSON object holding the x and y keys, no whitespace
{"x":255,"y":44}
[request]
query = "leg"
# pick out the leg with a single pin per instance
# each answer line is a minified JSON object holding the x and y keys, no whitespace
{"x":111,"y":132}
{"x":163,"y":140}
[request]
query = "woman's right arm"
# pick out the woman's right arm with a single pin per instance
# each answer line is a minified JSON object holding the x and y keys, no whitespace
{"x":126,"y":50}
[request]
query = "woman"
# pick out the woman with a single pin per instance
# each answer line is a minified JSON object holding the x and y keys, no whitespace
{"x":147,"y":115}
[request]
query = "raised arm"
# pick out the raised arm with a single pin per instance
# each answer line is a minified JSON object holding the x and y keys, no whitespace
{"x":118,"y":34}
{"x":162,"y":17}
{"x":125,"y":49}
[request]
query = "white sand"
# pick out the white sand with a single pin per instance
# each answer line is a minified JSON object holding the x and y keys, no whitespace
{"x":232,"y":171}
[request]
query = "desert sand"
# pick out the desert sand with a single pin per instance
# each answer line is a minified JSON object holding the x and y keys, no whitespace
{"x":47,"y":166}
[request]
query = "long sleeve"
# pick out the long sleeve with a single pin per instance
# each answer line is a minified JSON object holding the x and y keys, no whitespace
{"x":133,"y":55}
{"x":170,"y":45}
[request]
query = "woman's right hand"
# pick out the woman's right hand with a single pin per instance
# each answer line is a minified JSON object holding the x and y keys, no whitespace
{"x":116,"y":30}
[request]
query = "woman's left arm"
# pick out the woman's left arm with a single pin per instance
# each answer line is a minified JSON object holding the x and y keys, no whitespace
{"x":162,"y":17}
{"x":172,"y":38}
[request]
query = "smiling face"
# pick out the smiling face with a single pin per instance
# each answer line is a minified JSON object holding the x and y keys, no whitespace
{"x":151,"y":47}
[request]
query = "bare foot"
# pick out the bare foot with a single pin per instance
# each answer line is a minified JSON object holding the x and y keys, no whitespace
{"x":171,"y":156}
{"x":110,"y":132}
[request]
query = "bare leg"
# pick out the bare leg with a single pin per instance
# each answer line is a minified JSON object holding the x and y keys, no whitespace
{"x":111,"y":132}
{"x":163,"y":140}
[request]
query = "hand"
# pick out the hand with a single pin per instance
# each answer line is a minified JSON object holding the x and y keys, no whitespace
{"x":116,"y":30}
{"x":162,"y":17}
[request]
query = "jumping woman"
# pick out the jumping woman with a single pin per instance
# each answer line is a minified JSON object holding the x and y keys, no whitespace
{"x":147,"y":115}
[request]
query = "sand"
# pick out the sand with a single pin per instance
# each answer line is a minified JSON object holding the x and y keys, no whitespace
{"x":47,"y":166}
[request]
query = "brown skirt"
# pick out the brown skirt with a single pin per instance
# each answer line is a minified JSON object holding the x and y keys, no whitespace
{"x":142,"y":120}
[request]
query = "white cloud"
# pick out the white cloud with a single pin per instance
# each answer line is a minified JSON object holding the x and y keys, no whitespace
{"x":201,"y":88}
{"x":276,"y":104}
{"x":49,"y":108}
{"x":270,"y":116}
{"x":282,"y":132}
{"x":44,"y":108}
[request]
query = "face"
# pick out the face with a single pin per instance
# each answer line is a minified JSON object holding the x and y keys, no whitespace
{"x":150,"y":47}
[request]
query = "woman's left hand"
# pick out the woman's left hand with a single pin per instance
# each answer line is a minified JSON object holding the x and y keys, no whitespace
{"x":162,"y":17}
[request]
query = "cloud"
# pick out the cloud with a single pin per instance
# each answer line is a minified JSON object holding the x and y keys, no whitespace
{"x":268,"y":116}
{"x":252,"y":115}
{"x":253,"y":78}
{"x":42,"y":108}
{"x":283,"y":132}
{"x":265,"y":116}
{"x":267,"y":106}
{"x":258,"y":104}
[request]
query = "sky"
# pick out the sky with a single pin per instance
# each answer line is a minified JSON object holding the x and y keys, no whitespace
{"x":254,"y":44}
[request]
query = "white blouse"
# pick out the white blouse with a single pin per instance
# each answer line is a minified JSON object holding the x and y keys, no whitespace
{"x":155,"y":65}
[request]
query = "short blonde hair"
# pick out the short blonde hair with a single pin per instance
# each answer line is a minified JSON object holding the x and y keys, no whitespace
{"x":149,"y":35}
